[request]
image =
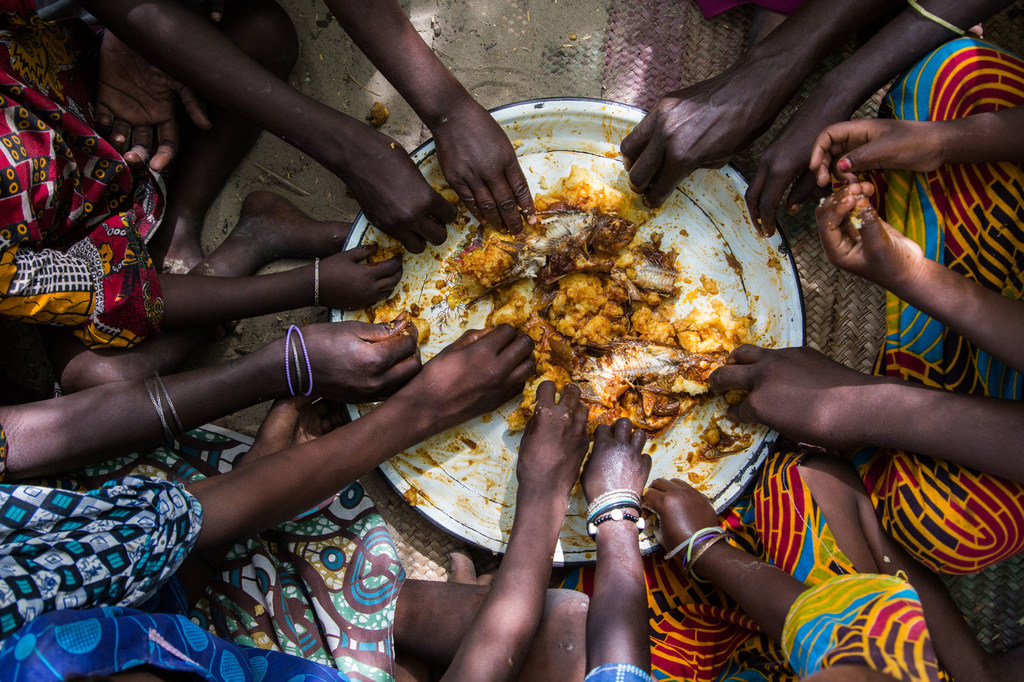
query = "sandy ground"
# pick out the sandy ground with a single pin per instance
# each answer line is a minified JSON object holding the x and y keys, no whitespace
{"x":501,"y":51}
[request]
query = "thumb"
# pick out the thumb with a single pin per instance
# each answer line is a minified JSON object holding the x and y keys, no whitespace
{"x":868,"y":156}
{"x":194,"y":108}
{"x":361,"y":253}
{"x":384,"y":331}
{"x":872,"y":233}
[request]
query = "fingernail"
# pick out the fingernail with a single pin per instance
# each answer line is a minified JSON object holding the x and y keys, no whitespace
{"x":793,"y":208}
{"x":844,"y":164}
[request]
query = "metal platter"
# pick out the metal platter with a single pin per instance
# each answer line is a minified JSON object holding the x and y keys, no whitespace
{"x":464,"y":479}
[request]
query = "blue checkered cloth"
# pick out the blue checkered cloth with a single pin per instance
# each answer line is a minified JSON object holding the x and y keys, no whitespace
{"x":618,"y":672}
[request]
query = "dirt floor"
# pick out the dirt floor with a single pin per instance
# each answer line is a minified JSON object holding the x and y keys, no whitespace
{"x":501,"y":51}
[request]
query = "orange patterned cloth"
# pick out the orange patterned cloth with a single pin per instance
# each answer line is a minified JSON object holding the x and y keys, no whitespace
{"x":971,"y":219}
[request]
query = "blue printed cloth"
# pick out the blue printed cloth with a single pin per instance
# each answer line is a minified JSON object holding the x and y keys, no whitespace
{"x":613,"y":672}
{"x":113,"y":546}
{"x":108,"y":640}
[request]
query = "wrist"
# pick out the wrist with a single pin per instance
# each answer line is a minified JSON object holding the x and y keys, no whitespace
{"x":443,"y":110}
{"x":265,"y":371}
{"x":711,"y":557}
{"x":617,"y":534}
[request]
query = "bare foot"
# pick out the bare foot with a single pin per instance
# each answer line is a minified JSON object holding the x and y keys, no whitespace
{"x":283,"y":231}
{"x":271,"y":227}
{"x":175,"y":246}
{"x":463,"y":570}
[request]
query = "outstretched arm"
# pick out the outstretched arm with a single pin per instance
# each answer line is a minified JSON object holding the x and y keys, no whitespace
{"x":617,"y":617}
{"x":475,"y":375}
{"x":705,"y":125}
{"x":764,"y":592}
{"x":351,"y":361}
{"x":897,"y":46}
{"x":809,"y":398}
{"x":475,"y":154}
{"x":375,"y":168}
{"x":550,"y":456}
{"x":338,"y":281}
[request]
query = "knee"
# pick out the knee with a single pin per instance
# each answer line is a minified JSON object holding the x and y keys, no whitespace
{"x":264,"y":31}
{"x":559,"y":651}
{"x":90,"y":369}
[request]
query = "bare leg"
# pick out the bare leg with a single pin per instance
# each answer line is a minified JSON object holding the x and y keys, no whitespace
{"x":839,"y":493}
{"x":268,"y":228}
{"x":264,"y":32}
{"x":432,"y":618}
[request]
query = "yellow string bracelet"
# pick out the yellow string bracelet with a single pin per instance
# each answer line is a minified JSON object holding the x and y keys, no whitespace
{"x":937,"y":19}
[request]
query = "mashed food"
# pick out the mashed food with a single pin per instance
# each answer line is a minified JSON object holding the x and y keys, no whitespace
{"x":598,"y":302}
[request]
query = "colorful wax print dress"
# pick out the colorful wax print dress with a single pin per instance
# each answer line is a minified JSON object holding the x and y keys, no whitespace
{"x":104,"y":641}
{"x":73,"y":219}
{"x":700,"y":634}
{"x":971,"y":219}
{"x":322,"y":587}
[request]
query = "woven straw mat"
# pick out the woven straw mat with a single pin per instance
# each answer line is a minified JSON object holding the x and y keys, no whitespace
{"x":656,"y":46}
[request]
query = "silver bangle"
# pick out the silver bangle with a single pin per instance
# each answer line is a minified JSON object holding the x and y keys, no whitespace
{"x":154,"y":398}
{"x":174,"y":412}
{"x":316,"y":282}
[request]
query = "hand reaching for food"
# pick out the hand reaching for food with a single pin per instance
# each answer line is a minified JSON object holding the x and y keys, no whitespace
{"x":479,"y":163}
{"x":348,"y":284}
{"x":702,"y":126}
{"x":554,"y":442}
{"x":475,"y":374}
{"x":357,"y":362}
{"x":800,"y":393}
{"x":395,"y":196}
{"x":618,"y":461}
{"x":682,"y":510}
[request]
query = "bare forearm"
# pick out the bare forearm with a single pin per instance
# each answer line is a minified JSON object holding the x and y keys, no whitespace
{"x":896,"y":47}
{"x":617,"y":618}
{"x":196,"y":300}
{"x":793,"y":50}
{"x":988,"y":319}
{"x":291,"y":481}
{"x":984,"y":433}
{"x":116,"y":419}
{"x":983,"y":138}
{"x":764,"y":592}
{"x":386,"y":36}
{"x":504,"y":627}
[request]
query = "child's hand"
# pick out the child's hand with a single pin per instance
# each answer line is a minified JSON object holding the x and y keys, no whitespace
{"x":876,"y":251}
{"x":347,"y":284}
{"x":554,"y":442}
{"x":855,"y":146}
{"x":475,"y":374}
{"x":133,"y":98}
{"x":617,"y":461}
{"x":293,"y":421}
{"x":393,"y":193}
{"x":682,"y":510}
{"x":798,"y":392}
{"x":357,"y":362}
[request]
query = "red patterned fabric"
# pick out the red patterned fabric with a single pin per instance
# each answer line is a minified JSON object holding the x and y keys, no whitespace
{"x":73,"y":220}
